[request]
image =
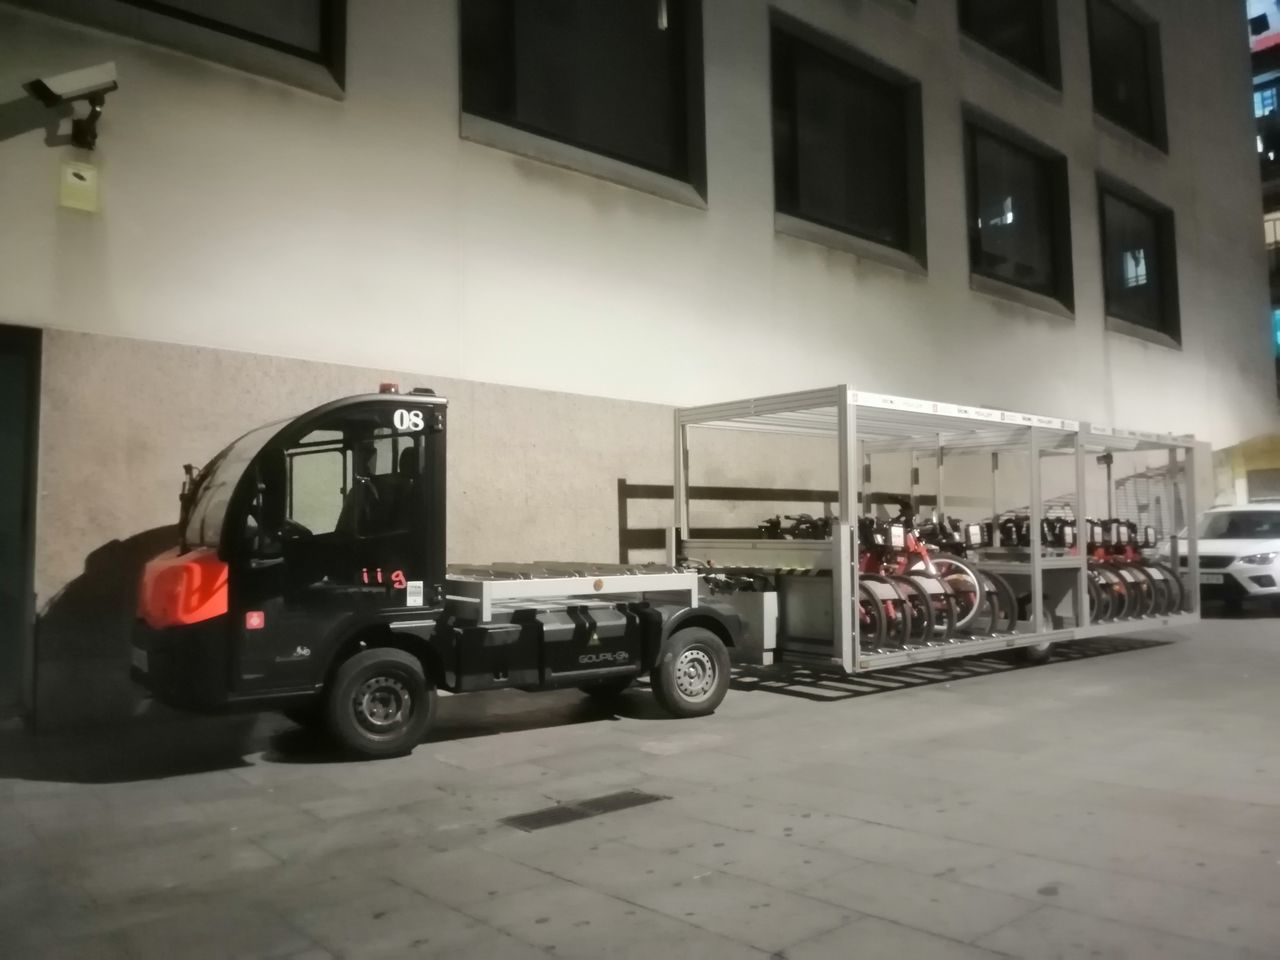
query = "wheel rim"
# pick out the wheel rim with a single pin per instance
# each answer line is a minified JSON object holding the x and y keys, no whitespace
{"x":695,"y":674}
{"x":382,"y":705}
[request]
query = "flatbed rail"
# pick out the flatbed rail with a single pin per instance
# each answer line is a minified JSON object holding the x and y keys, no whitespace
{"x":483,"y":586}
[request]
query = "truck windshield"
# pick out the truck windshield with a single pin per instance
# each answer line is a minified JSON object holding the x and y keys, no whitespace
{"x":217,"y":482}
{"x":1241,"y":525}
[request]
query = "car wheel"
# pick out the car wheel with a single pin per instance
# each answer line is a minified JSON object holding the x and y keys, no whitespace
{"x":380,"y":703}
{"x":692,"y":675}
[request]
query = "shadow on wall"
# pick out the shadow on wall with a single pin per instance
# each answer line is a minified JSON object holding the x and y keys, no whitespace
{"x":82,"y":639}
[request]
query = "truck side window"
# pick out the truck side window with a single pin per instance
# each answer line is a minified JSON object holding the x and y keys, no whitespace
{"x":354,"y":477}
{"x":317,"y":482}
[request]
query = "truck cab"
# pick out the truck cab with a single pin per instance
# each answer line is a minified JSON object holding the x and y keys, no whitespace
{"x":309,"y":576}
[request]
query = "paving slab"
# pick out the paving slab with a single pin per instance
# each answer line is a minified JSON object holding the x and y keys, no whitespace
{"x":1122,"y":801}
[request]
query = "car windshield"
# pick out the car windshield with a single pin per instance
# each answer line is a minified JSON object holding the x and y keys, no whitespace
{"x":217,"y":482}
{"x":1241,"y":525}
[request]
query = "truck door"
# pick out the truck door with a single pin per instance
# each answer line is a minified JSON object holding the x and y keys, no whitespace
{"x":337,"y":532}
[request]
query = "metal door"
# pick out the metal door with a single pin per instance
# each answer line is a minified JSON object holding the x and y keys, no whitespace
{"x":19,"y":383}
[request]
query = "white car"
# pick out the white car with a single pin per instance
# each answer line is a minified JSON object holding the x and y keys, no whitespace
{"x":1240,"y":553}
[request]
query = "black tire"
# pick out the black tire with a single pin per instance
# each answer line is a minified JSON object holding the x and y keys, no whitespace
{"x":898,"y":621}
{"x":1033,"y":656}
{"x":966,"y":587}
{"x":1097,"y":602}
{"x":1104,"y":608}
{"x":1151,"y":592}
{"x":1177,"y":593}
{"x":309,"y":715}
{"x":692,"y":673}
{"x":607,"y":689}
{"x":380,"y":703}
{"x":922,"y":619}
{"x":871,"y":620}
{"x":1006,"y":603}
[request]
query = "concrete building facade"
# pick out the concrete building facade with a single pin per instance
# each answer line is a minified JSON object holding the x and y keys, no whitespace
{"x":261,"y":246}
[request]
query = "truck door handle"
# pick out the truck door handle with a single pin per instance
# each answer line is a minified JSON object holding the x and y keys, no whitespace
{"x":265,"y":563}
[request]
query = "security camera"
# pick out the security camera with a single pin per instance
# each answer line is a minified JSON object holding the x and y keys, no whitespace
{"x":90,"y":84}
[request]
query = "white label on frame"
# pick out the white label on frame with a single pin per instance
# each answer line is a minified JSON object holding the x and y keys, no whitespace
{"x":413,"y":593}
{"x":897,"y":536}
{"x":407,"y":419}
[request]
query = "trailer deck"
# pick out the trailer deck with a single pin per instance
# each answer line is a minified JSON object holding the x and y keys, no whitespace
{"x":865,"y":425}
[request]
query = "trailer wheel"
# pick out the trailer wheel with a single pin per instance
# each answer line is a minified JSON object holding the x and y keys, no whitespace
{"x":380,"y":703}
{"x":692,"y":675}
{"x":1035,"y":655}
{"x":607,"y":689}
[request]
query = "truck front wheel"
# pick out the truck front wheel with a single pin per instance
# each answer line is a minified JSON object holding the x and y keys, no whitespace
{"x":380,"y":703}
{"x":692,"y":675}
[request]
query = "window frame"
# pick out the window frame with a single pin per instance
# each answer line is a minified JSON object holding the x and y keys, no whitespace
{"x":1052,"y":72}
{"x":1061,"y":292}
{"x":1169,"y":330}
{"x":913,"y":254}
{"x":154,"y":21}
{"x":688,"y":185}
{"x":1159,"y":134}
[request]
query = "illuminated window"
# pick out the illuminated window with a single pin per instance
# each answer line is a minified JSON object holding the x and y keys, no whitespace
{"x":1018,"y":209}
{"x":1135,"y":268}
{"x":1264,"y":102}
{"x":1139,"y":261}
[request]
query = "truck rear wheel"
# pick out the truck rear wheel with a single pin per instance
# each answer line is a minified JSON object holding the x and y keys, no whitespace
{"x":380,"y":703}
{"x":692,"y":675}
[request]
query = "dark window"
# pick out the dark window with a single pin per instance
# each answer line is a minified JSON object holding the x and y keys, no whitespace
{"x":1128,"y":86}
{"x":1138,"y":261}
{"x":1018,"y":217}
{"x":1024,"y":31}
{"x":846,"y":143}
{"x":622,"y":78}
{"x":309,"y":30}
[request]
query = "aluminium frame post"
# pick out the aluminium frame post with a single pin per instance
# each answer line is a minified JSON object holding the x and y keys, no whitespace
{"x":680,"y":489}
{"x":1170,"y":510}
{"x":1080,"y":511}
{"x":995,"y":500}
{"x":844,"y":534}
{"x":1193,"y":525}
{"x":1037,"y":558}
{"x":939,"y":505}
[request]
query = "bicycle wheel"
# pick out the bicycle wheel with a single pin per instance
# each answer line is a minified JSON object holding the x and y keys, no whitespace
{"x":1151,"y":591}
{"x":943,"y":601}
{"x":897,"y":612}
{"x":922,"y":615}
{"x":1121,"y":595}
{"x":985,"y":623}
{"x":1006,"y":603}
{"x":871,"y":619}
{"x":1099,"y":606}
{"x":1177,"y":593}
{"x":965,"y":586}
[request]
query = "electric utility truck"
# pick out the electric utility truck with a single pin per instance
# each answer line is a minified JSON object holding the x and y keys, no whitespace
{"x":310,"y":578}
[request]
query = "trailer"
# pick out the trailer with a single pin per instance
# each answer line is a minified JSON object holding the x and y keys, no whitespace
{"x":801,"y":605}
{"x":309,"y":577}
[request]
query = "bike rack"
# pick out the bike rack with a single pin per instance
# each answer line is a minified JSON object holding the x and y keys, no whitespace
{"x":816,"y":620}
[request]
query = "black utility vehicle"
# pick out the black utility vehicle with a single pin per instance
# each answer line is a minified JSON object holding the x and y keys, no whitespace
{"x":310,"y":578}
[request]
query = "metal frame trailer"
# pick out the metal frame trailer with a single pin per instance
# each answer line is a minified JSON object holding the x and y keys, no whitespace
{"x":822,"y":628}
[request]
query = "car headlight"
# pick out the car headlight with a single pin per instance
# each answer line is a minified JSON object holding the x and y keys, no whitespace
{"x":1259,"y":559}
